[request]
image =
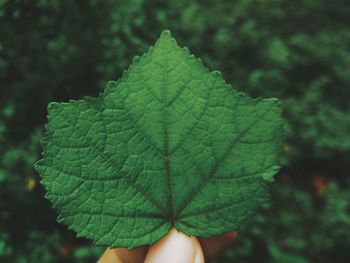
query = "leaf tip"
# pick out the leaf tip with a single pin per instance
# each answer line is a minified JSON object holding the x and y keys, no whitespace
{"x":165,"y":34}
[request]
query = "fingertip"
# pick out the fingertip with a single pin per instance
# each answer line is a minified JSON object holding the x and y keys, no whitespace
{"x":123,"y":255}
{"x":109,"y":256}
{"x":175,"y":247}
{"x":198,"y":251}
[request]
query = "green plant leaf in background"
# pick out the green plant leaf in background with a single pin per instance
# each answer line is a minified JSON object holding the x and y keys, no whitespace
{"x":169,"y":145}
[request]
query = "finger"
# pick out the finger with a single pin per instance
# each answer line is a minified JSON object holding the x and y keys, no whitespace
{"x":175,"y":247}
{"x":215,"y":245}
{"x":123,"y":255}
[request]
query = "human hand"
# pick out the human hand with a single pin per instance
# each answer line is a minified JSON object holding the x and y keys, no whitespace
{"x":175,"y":247}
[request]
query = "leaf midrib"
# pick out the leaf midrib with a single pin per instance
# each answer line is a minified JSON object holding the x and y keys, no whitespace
{"x":166,"y":139}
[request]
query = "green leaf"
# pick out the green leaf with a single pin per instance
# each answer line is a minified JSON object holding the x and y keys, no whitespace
{"x":168,"y":145}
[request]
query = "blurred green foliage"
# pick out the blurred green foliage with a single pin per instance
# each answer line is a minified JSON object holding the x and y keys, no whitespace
{"x":298,"y":51}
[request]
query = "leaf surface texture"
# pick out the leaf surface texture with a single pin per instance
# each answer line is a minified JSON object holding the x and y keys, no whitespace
{"x":170,"y":144}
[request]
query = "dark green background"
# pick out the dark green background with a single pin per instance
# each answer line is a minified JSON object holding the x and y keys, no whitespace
{"x":298,"y":51}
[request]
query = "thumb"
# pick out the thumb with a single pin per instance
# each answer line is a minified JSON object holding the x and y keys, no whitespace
{"x":175,"y":247}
